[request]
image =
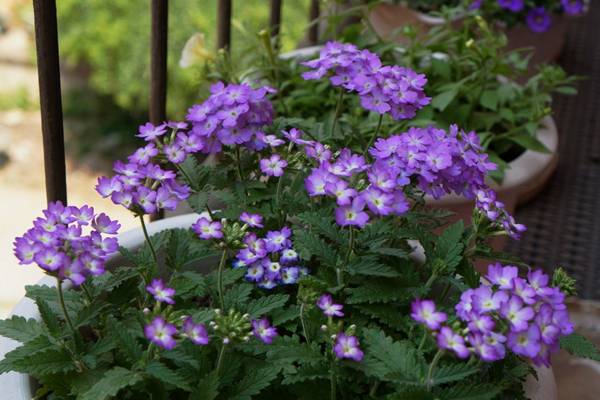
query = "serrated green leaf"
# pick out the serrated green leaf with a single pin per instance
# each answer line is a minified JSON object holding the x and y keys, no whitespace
{"x":49,"y":295}
{"x":389,"y":251}
{"x":370,"y":266}
{"x":165,"y":374}
{"x":49,"y":318}
{"x":20,"y":329}
{"x":288,"y":349}
{"x":127,"y":344}
{"x":382,"y":290}
{"x":208,"y":388}
{"x":264,"y":305}
{"x":237,"y":295}
{"x":322,"y":223}
{"x":111,"y":383}
{"x":38,"y":356}
{"x":469,"y":392}
{"x":489,"y":99}
{"x":579,"y":346}
{"x":307,"y":373}
{"x":451,"y":373}
{"x":309,"y":244}
{"x":254,"y":381}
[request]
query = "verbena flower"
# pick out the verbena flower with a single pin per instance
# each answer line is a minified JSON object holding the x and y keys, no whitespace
{"x":207,"y":229}
{"x":160,"y":292}
{"x":161,"y":333}
{"x":197,"y":333}
{"x":253,"y":220}
{"x":330,"y":308}
{"x":273,"y":166}
{"x":58,"y":245}
{"x":393,"y":90}
{"x":507,"y":312}
{"x":512,"y":5}
{"x":263,"y":330}
{"x":538,"y":19}
{"x":347,"y":347}
{"x":572,"y":7}
{"x":424,"y":311}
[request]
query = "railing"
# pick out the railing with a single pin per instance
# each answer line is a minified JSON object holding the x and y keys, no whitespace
{"x":48,"y":63}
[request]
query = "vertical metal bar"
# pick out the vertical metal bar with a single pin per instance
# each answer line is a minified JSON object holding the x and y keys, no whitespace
{"x":313,"y":32}
{"x":275,"y":17}
{"x":46,"y":43}
{"x":224,"y":24}
{"x":158,"y":68}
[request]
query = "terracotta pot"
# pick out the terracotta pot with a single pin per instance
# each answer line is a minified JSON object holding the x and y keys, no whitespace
{"x":388,"y":19}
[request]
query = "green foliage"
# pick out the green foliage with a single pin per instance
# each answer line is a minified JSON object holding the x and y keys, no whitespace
{"x":111,"y":383}
{"x":20,"y":329}
{"x":579,"y":346}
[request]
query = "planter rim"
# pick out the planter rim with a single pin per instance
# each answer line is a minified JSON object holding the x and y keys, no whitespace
{"x":522,"y":169}
{"x":17,"y":386}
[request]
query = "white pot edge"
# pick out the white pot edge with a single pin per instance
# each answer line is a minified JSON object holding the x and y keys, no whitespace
{"x":523,"y":168}
{"x":17,"y":386}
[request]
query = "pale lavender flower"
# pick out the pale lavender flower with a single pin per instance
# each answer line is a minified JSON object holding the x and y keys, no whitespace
{"x":161,"y":333}
{"x":330,"y":308}
{"x":347,"y":347}
{"x":263,"y":330}
{"x":160,"y":292}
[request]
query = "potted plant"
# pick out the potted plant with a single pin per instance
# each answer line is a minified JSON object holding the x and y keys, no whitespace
{"x":304,"y":284}
{"x":540,"y":25}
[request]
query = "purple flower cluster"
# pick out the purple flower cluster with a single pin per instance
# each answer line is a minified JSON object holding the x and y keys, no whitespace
{"x":58,"y":245}
{"x":394,"y":90}
{"x":485,"y":201}
{"x":164,"y":334}
{"x":141,"y":185}
{"x":271,"y":260}
{"x":232,"y":115}
{"x":525,"y":316}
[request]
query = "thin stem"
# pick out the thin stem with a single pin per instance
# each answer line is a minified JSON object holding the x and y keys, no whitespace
{"x":278,"y":200}
{"x":436,"y":358}
{"x":351,"y":238}
{"x":185,"y":175}
{"x":88,"y":295}
{"x":375,"y":134}
{"x":304,"y":330}
{"x":423,"y":339}
{"x":220,"y":279}
{"x":61,"y":299}
{"x":373,"y":390}
{"x":338,"y":109}
{"x":152,"y":250}
{"x":430,"y":281}
{"x":238,"y":159}
{"x":332,"y":381}
{"x":220,"y":359}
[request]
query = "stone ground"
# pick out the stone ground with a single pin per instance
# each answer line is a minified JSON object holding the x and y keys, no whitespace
{"x":22,"y":197}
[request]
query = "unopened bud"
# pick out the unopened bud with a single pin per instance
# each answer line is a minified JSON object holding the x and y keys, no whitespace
{"x":226,"y":340}
{"x":146,"y":310}
{"x":324,"y":328}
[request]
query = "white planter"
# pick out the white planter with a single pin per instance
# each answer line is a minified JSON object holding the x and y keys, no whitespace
{"x":17,"y":386}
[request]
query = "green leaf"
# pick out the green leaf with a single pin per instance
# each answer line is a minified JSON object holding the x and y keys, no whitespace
{"x":371,"y":267}
{"x":208,"y":388}
{"x":390,"y":251}
{"x":307,"y":373}
{"x":448,"y":246}
{"x":178,"y":249}
{"x":579,"y":346}
{"x":165,"y":374}
{"x":254,"y":381}
{"x":382,"y":290}
{"x":111,"y":383}
{"x":38,"y":356}
{"x":452,"y":372}
{"x":20,"y":329}
{"x":264,"y":305}
{"x":49,"y":295}
{"x":442,"y":100}
{"x":50,"y":319}
{"x":237,"y":295}
{"x":127,"y":344}
{"x":489,"y":99}
{"x":322,"y":223}
{"x":288,"y":349}
{"x":529,"y":142}
{"x":309,"y":244}
{"x":469,"y":392}
{"x":566,"y":90}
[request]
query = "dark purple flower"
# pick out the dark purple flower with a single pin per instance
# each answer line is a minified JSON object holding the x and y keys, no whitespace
{"x":572,"y":7}
{"x":347,"y":347}
{"x":195,"y":332}
{"x":512,"y":5}
{"x":263,"y":330}
{"x":207,"y":229}
{"x":161,"y":333}
{"x":289,"y":275}
{"x":329,"y":308}
{"x":160,"y":292}
{"x":278,"y":240}
{"x":538,"y":19}
{"x":423,"y":311}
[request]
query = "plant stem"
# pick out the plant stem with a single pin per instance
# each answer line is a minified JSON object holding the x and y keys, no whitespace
{"x":220,"y":359}
{"x":238,"y":159}
{"x":185,"y":175}
{"x":61,"y":299}
{"x":278,"y":200}
{"x":422,"y":343}
{"x":436,"y":358}
{"x":338,"y":271}
{"x":304,"y":330}
{"x":332,"y":381}
{"x":375,"y":134}
{"x":220,"y":278}
{"x":338,"y":109}
{"x":88,"y":295}
{"x":152,"y":250}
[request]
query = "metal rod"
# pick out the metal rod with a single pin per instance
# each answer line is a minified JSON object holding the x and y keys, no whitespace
{"x":313,"y":32}
{"x":46,"y":43}
{"x":224,"y":24}
{"x":275,"y":17}
{"x":158,"y":68}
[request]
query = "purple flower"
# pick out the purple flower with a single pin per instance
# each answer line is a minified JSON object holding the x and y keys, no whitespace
{"x":255,"y":272}
{"x":161,"y":333}
{"x":347,"y":347}
{"x":449,"y":340}
{"x":288,"y":256}
{"x":207,"y":229}
{"x":538,"y":19}
{"x":160,"y":292}
{"x":253,"y":220}
{"x":195,"y":332}
{"x":143,"y":155}
{"x":517,"y":313}
{"x":74,"y":272}
{"x":512,"y":5}
{"x":353,"y":214}
{"x":273,"y":166}
{"x":149,"y":132}
{"x":572,"y":7}
{"x":502,"y":276}
{"x":485,"y":300}
{"x":526,"y":342}
{"x":104,"y":224}
{"x":278,"y":240}
{"x":380,"y":203}
{"x":317,"y":181}
{"x":107,"y":186}
{"x":423,"y":311}
{"x":329,"y":308}
{"x":289,"y":275}
{"x":485,"y":350}
{"x":263,"y":330}
{"x":343,"y":194}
